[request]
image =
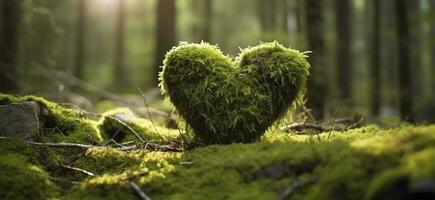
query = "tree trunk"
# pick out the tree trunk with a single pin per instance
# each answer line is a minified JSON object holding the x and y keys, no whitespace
{"x":415,"y":28}
{"x":344,"y":51}
{"x":375,"y":61}
{"x":119,"y":78}
{"x":313,"y":11}
{"x":432,"y":46}
{"x":206,"y":34}
{"x":405,"y":80}
{"x":165,"y":33}
{"x":267,"y":15}
{"x":80,"y":40}
{"x":10,"y":16}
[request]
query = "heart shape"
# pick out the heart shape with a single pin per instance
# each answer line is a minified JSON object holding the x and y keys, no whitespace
{"x":227,"y":101}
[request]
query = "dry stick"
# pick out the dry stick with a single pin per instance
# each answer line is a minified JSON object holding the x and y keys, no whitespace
{"x":148,"y":110}
{"x":299,"y":126}
{"x":73,"y":145}
{"x":356,"y":124}
{"x":139,"y":191}
{"x":294,"y":187}
{"x":78,"y":169}
{"x":333,"y":119}
{"x":145,"y":145}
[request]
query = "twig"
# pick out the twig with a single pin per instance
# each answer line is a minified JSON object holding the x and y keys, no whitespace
{"x":128,"y":127}
{"x":73,"y":145}
{"x":146,"y":145}
{"x":301,"y":126}
{"x":356,"y":124}
{"x":333,"y":119}
{"x":148,"y":110}
{"x":139,"y":191}
{"x":151,"y":146}
{"x":294,"y":187}
{"x":78,"y":169}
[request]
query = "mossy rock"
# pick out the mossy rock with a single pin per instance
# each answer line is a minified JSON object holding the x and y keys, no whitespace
{"x":59,"y":124}
{"x":227,"y":101}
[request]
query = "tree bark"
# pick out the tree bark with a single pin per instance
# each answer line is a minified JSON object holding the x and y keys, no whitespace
{"x":165,"y":33}
{"x":375,"y":78}
{"x":405,"y":76}
{"x":119,"y":77}
{"x":10,"y":16}
{"x":313,"y":11}
{"x":344,"y":51}
{"x":80,"y":40}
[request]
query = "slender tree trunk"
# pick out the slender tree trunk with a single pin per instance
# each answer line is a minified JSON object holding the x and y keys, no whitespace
{"x":405,"y":80}
{"x":267,"y":15}
{"x":344,"y":52}
{"x":165,"y":33}
{"x":284,"y":7}
{"x":10,"y":16}
{"x":432,"y":46}
{"x":415,"y":28}
{"x":119,"y":76}
{"x":79,"y":59}
{"x":313,"y":11}
{"x":206,"y":34}
{"x":375,"y":60}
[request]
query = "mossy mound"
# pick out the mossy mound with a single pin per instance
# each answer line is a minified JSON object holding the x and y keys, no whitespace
{"x":227,"y":101}
{"x":348,"y":165}
{"x":365,"y":163}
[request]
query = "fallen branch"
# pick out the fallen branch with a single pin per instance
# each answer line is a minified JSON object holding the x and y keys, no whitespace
{"x":299,"y":127}
{"x":139,"y":191}
{"x":294,"y":187}
{"x":78,"y":170}
{"x":146,"y":145}
{"x":303,"y":126}
{"x":152,"y":147}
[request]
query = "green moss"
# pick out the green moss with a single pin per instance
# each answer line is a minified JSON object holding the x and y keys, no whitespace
{"x":227,"y":101}
{"x":102,"y":187}
{"x":113,"y":129}
{"x":368,"y":162}
{"x":23,"y":180}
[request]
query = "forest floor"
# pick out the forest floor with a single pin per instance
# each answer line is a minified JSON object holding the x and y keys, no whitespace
{"x":73,"y":154}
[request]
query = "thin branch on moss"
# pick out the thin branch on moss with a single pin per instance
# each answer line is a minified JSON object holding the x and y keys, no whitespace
{"x":357,"y":123}
{"x":78,"y":170}
{"x":139,"y":191}
{"x":302,"y":126}
{"x":152,"y":147}
{"x":333,"y":119}
{"x":294,"y":187}
{"x":148,"y":110}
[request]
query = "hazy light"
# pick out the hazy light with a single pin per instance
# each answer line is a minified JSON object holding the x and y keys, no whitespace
{"x":106,"y":6}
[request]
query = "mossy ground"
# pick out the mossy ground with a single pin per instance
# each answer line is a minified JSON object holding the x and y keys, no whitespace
{"x":363,"y":163}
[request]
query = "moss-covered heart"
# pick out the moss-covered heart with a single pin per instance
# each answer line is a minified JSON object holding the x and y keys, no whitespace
{"x":227,"y":101}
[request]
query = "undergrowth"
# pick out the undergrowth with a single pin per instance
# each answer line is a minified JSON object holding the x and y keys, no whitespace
{"x":364,"y":163}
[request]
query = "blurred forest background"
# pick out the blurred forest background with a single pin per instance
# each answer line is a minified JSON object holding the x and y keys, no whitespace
{"x":371,"y":57}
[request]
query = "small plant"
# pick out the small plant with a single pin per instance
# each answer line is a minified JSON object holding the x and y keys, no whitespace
{"x":227,"y":101}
